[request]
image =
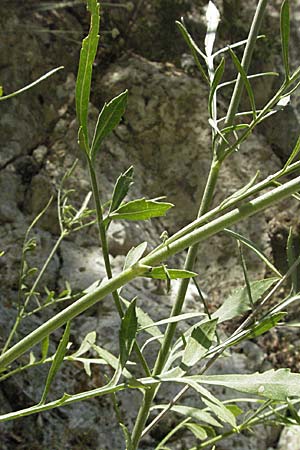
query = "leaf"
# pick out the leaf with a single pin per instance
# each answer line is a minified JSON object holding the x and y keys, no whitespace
{"x":145,"y":321}
{"x":291,"y":257}
{"x":29,"y":86}
{"x":84,"y":75}
{"x":275,"y":385}
{"x":121,"y":189}
{"x":134,"y":255}
{"x":45,"y":348}
{"x":194,"y":49}
{"x":141,"y":209}
{"x":285,"y":35}
{"x":160,"y":274}
{"x":127,"y":333}
{"x":293,"y":154}
{"x":86,"y":344}
{"x":108,"y":119}
{"x":266,"y":324}
{"x":197,"y":414}
{"x":199,"y":342}
{"x":56,"y":363}
{"x":216,"y":80}
{"x":172,"y":319}
{"x":238,"y":302}
{"x":212,"y":18}
{"x":248,"y":243}
{"x":198,"y":431}
{"x":245,"y":79}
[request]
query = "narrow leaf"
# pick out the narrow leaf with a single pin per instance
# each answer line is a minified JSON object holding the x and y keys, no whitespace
{"x":160,"y":274}
{"x":266,"y":325}
{"x":273,"y":384}
{"x":248,"y":243}
{"x":86,"y":344}
{"x":245,"y":79}
{"x":198,"y":431}
{"x":141,"y":209}
{"x":45,"y":347}
{"x":238,"y":302}
{"x":121,"y":189}
{"x":285,"y":35}
{"x":84,"y":75}
{"x":291,"y":257}
{"x":212,"y":18}
{"x":293,"y":155}
{"x":127,"y":333}
{"x":172,"y":319}
{"x":134,"y":255}
{"x":197,"y":414}
{"x":56,"y":363}
{"x":215,"y":82}
{"x":108,"y":119}
{"x":199,"y":342}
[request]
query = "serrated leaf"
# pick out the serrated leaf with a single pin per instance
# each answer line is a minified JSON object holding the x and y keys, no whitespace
{"x":84,"y":75}
{"x":134,"y":255}
{"x":212,"y":18}
{"x":275,"y":385}
{"x":128,"y":332}
{"x":86,"y":344}
{"x":238,"y":302}
{"x":160,"y":274}
{"x":194,"y":413}
{"x":121,"y":189}
{"x":108,"y":119}
{"x":57,"y":360}
{"x":285,"y":35}
{"x":141,"y":209}
{"x":198,"y":431}
{"x":199,"y":342}
{"x":193,"y":47}
{"x":248,"y":243}
{"x":246,"y":81}
{"x":216,"y":80}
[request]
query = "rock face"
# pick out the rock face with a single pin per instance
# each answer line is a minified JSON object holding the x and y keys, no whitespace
{"x":166,"y":137}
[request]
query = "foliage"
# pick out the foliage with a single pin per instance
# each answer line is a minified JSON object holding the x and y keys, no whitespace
{"x":275,"y":392}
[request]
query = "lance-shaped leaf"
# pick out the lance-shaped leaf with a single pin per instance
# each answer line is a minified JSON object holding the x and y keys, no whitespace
{"x":238,"y":302}
{"x":56,"y":363}
{"x":285,"y":35}
{"x":134,"y":255}
{"x":266,"y":324}
{"x":293,"y":155}
{"x":273,"y":384}
{"x":121,"y":189}
{"x":215,"y":82}
{"x":84,"y":75}
{"x":173,"y":319}
{"x":198,"y":431}
{"x":212,"y":18}
{"x":127,"y":333}
{"x":194,"y":413}
{"x":245,"y":79}
{"x":159,"y":273}
{"x":141,"y":209}
{"x":199,"y":342}
{"x":86,"y":344}
{"x":108,"y":119}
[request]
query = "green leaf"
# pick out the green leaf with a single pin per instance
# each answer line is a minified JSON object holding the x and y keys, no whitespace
{"x":291,"y":257}
{"x":246,"y":81}
{"x":266,"y":325}
{"x":276,"y":385}
{"x":145,"y":321}
{"x":293,"y":154}
{"x":127,"y":333}
{"x":194,"y":48}
{"x":212,"y":18}
{"x":45,"y":347}
{"x":197,"y":414}
{"x":248,"y":243}
{"x":160,"y":274}
{"x":172,"y":319}
{"x":199,"y":342}
{"x":29,"y":86}
{"x":84,"y":75}
{"x":216,"y":80}
{"x":108,"y":119}
{"x":56,"y":363}
{"x":141,"y":209}
{"x":121,"y":189}
{"x":198,"y":431}
{"x":285,"y":35}
{"x":238,"y":302}
{"x":134,"y":255}
{"x":86,"y":344}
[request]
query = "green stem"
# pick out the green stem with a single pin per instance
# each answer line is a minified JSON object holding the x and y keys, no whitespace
{"x":104,"y":245}
{"x":202,"y":233}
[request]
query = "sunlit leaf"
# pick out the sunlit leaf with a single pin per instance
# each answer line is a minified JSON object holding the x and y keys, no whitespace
{"x":141,"y":209}
{"x":266,"y":324}
{"x":134,"y":255}
{"x":86,"y":344}
{"x":212,"y":19}
{"x":160,"y":274}
{"x":199,"y":342}
{"x":215,"y":82}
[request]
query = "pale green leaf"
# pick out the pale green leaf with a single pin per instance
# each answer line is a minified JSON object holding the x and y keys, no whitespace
{"x":121,"y":189}
{"x":56,"y":363}
{"x":134,"y":255}
{"x":266,"y":324}
{"x":173,"y":319}
{"x":86,"y":344}
{"x":199,"y":342}
{"x":108,"y":119}
{"x":159,"y":273}
{"x":194,"y":413}
{"x":141,"y":209}
{"x":238,"y":302}
{"x":285,"y":35}
{"x":212,"y":18}
{"x":215,"y":82}
{"x":198,"y":431}
{"x":128,"y":332}
{"x":45,"y":347}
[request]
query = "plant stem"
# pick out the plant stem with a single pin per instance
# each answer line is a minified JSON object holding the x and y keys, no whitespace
{"x":204,"y":232}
